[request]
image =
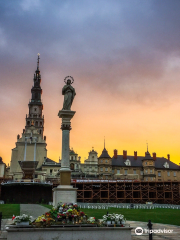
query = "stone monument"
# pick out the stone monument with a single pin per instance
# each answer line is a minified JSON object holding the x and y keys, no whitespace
{"x":65,"y":192}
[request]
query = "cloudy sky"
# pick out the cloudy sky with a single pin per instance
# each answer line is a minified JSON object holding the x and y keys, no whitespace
{"x":124,"y":57}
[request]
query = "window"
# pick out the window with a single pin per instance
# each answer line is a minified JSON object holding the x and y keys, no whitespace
{"x":146,"y":171}
{"x":159,"y":174}
{"x":106,"y":161}
{"x":152,"y":179}
{"x":174,"y":174}
{"x":151,"y":170}
{"x":141,"y":172}
{"x":72,"y":166}
{"x":118,"y":171}
{"x":134,"y":171}
{"x":35,"y":109}
{"x":125,"y":171}
{"x":146,"y":163}
{"x":112,"y":171}
{"x":101,"y":161}
{"x":168,"y":173}
{"x":146,"y":179}
{"x":106,"y":169}
{"x":51,"y":171}
{"x":101,"y":169}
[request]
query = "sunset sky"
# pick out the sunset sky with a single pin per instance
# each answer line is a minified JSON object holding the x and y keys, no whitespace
{"x":125,"y":60}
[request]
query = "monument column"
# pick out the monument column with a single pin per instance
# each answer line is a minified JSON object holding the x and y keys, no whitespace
{"x":65,"y":192}
{"x":65,"y":172}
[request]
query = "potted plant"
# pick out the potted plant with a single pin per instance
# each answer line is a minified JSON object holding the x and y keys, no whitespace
{"x":107,"y":219}
{"x":23,"y":220}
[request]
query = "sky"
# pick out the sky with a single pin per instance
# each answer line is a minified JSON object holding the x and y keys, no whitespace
{"x":124,"y":57}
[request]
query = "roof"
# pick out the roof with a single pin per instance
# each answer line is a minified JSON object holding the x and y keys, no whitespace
{"x":92,"y":151}
{"x":48,"y":162}
{"x":148,"y":156}
{"x":159,"y":162}
{"x":72,"y":152}
{"x":104,"y":154}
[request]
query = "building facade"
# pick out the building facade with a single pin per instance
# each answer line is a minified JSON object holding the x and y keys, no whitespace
{"x":147,"y":168}
{"x":90,"y":166}
{"x":75,"y":164}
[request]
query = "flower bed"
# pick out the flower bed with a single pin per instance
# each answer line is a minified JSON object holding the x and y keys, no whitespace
{"x":66,"y":213}
{"x":70,"y":214}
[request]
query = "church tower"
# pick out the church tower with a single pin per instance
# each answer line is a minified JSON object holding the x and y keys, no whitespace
{"x":31,"y":146}
{"x":35,"y":116}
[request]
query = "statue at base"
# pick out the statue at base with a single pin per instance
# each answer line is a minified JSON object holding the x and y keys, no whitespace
{"x":69,"y":93}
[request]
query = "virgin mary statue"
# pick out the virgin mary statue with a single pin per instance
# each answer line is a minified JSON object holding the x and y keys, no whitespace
{"x":69,"y":93}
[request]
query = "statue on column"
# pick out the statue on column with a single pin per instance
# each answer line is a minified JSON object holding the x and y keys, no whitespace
{"x":69,"y":93}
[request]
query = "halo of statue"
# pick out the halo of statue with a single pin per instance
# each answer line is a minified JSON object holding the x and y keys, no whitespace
{"x":69,"y":78}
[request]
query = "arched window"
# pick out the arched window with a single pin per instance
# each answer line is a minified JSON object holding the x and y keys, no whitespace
{"x":28,"y":123}
{"x":72,"y":166}
{"x":36,"y":124}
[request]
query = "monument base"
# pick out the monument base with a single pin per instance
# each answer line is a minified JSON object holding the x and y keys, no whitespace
{"x":64,"y":194}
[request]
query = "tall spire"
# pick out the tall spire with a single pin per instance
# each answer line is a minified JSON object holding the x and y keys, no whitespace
{"x":147,"y":146}
{"x":104,"y":142}
{"x":35,"y":104}
{"x":38,"y":61}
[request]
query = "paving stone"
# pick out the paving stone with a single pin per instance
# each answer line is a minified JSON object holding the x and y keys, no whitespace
{"x":33,"y":210}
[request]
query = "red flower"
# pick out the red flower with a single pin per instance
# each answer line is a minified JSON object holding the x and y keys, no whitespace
{"x":82,"y":214}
